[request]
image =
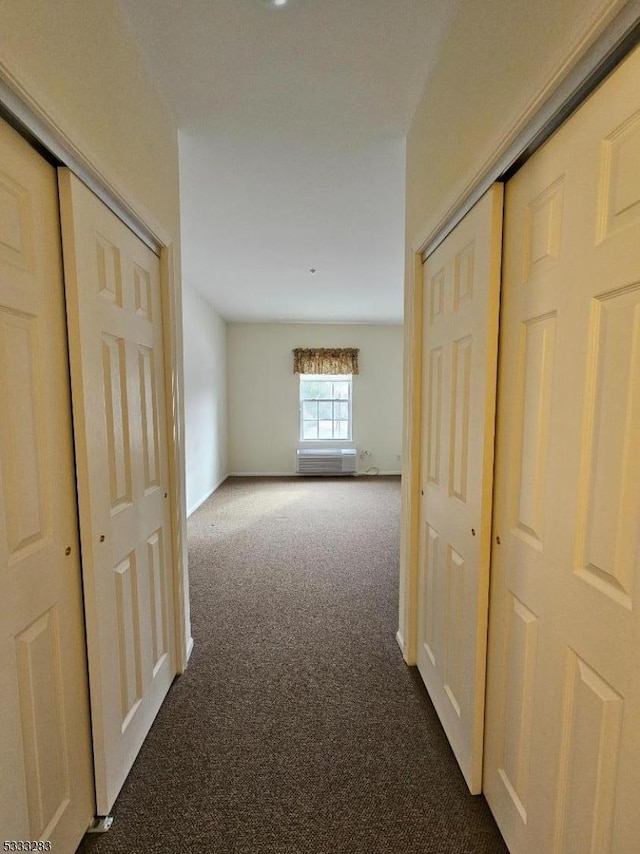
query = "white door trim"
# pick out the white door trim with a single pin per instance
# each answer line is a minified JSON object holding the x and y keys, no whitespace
{"x":603,"y":44}
{"x":38,"y":120}
{"x":174,"y":395}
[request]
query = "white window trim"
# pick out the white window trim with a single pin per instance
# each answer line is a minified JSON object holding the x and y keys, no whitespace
{"x":326,"y":377}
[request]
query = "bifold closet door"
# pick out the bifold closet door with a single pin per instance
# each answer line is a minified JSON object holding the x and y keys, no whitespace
{"x":46,"y":775}
{"x":461,"y":281}
{"x":115,"y":339}
{"x":562,"y":771}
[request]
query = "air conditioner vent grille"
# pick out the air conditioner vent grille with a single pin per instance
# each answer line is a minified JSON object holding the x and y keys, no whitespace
{"x":326,"y":461}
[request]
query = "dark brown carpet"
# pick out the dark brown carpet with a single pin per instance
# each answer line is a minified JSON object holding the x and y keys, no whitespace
{"x":297,"y":729}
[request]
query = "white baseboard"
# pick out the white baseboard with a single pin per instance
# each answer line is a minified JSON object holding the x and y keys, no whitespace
{"x":409,"y":659}
{"x":189,"y":648}
{"x":207,"y":496}
{"x":263,"y":474}
{"x":297,"y":474}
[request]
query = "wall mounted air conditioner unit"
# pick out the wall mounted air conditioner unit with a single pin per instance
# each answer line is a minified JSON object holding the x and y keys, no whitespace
{"x":326,"y":461}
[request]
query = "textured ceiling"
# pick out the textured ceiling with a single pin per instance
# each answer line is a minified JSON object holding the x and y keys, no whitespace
{"x":292,"y":123}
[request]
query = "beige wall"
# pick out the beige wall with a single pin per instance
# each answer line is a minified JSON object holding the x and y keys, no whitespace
{"x":495,"y":61}
{"x":205,"y":398}
{"x":78,"y":61}
{"x":263,"y":393}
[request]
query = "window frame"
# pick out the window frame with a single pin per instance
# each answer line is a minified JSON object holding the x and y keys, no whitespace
{"x":333,"y":400}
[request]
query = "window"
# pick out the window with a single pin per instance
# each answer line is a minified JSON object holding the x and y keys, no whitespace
{"x":325,"y":407}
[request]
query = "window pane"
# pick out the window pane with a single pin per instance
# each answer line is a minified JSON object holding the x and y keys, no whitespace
{"x":308,"y":389}
{"x":309,"y":410}
{"x":325,"y":430}
{"x":324,"y":390}
{"x":325,"y":410}
{"x":341,"y":390}
{"x":309,"y":429}
{"x":342,"y":429}
{"x":342,"y":410}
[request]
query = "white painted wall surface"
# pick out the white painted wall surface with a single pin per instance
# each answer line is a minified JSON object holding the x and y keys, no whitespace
{"x":205,"y":366}
{"x":263,"y":393}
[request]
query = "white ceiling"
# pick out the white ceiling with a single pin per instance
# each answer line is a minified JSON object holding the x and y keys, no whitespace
{"x":292,"y":123}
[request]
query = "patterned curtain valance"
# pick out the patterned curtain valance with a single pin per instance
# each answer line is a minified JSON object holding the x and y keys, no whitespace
{"x":323,"y":361}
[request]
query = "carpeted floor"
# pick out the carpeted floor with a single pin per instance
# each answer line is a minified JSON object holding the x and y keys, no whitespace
{"x":297,"y":728}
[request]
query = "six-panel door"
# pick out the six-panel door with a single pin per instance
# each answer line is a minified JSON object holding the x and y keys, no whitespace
{"x":46,"y":784}
{"x":461,"y":282}
{"x":117,"y":371}
{"x":563,"y":712}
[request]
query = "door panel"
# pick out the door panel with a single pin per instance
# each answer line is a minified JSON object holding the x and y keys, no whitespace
{"x":461,"y":281}
{"x":46,"y":785}
{"x":563,"y":701}
{"x":115,"y":323}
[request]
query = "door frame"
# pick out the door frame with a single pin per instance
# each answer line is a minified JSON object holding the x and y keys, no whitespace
{"x":36,"y":121}
{"x":603,"y":44}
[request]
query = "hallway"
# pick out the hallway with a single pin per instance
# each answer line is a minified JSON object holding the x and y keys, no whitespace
{"x":297,"y":727}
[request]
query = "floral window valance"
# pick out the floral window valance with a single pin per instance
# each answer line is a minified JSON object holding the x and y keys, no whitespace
{"x":324,"y":361}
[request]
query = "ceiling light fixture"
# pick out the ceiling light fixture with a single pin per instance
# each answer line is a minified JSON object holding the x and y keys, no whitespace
{"x":279,"y":2}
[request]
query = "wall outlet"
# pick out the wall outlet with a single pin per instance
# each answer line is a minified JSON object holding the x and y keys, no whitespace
{"x":364,"y":454}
